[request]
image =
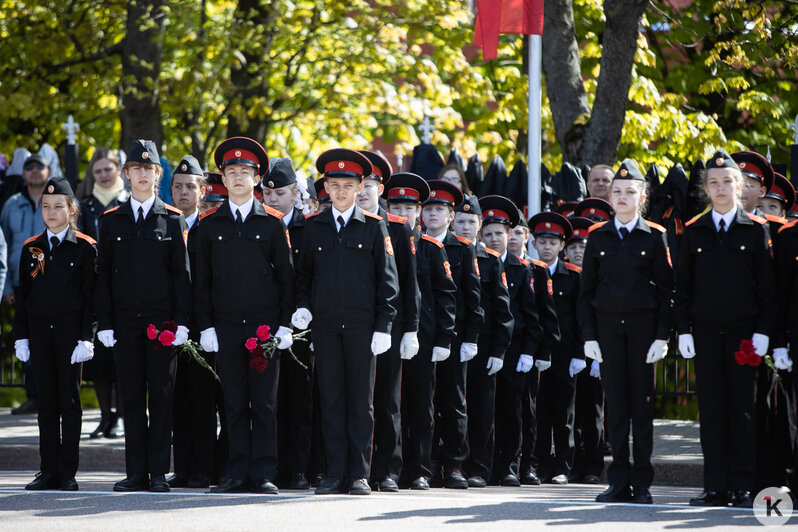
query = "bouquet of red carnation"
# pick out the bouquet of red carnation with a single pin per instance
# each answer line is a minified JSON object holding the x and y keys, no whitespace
{"x":165,"y":337}
{"x":262,"y":346}
{"x":747,"y":356}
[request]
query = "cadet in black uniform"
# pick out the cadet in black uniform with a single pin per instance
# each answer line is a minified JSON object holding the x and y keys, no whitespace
{"x":244,"y":280}
{"x":451,"y":427}
{"x":725,"y":293}
{"x":497,"y":214}
{"x":594,"y":209}
{"x":347,"y":278}
{"x":404,"y":194}
{"x":557,"y":390}
{"x":757,"y":179}
{"x":54,"y":323}
{"x":625,"y":314}
{"x":143,"y":279}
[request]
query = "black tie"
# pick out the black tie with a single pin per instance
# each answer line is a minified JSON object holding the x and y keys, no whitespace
{"x":140,"y":219}
{"x":54,"y":243}
{"x":341,"y":223}
{"x":722,"y":226}
{"x":624,"y":232}
{"x":239,"y":221}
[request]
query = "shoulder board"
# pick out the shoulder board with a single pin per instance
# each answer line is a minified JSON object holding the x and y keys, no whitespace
{"x":31,"y":239}
{"x":788,"y":225}
{"x":87,"y":238}
{"x":658,"y":227}
{"x":596,"y":226}
{"x":493,"y":252}
{"x":112,"y":209}
{"x":693,"y":219}
{"x":464,"y":240}
{"x":372,"y":215}
{"x":208,"y":212}
{"x":572,"y":267}
{"x":311,"y":215}
{"x":433,"y":240}
{"x":679,"y":226}
{"x":524,"y":262}
{"x":757,"y":219}
{"x":395,"y":218}
{"x":539,"y":263}
{"x":172,"y":209}
{"x":272,"y":211}
{"x":776,"y":219}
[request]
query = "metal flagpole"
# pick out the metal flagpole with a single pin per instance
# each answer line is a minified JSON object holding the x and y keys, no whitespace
{"x":534,"y":127}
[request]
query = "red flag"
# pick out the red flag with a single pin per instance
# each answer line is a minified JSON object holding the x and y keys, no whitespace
{"x":505,"y":16}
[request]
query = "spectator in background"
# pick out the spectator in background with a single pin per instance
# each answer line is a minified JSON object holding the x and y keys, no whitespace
{"x":454,"y":175}
{"x":53,"y":162}
{"x":12,"y":180}
{"x":599,"y":180}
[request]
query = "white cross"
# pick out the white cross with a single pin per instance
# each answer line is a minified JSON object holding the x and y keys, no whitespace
{"x":399,"y":157}
{"x":768,"y":154}
{"x":427,"y":128}
{"x":71,"y":127}
{"x":794,"y":127}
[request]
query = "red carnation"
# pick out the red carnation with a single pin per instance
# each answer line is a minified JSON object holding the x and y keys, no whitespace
{"x":251,"y":344}
{"x":259,"y":351}
{"x":263,"y":332}
{"x":741,"y":358}
{"x":747,"y":356}
{"x":170,"y":325}
{"x":152,"y":332}
{"x":259,"y":364}
{"x":166,"y":338}
{"x":754,"y":359}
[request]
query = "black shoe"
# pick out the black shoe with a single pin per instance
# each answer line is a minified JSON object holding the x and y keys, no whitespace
{"x":455,"y":480}
{"x":133,"y":483}
{"x":530,"y":478}
{"x":265,"y":487}
{"x":419,"y":484}
{"x":158,"y":484}
{"x":316,"y":479}
{"x":360,"y":487}
{"x":560,"y":480}
{"x":591,"y":479}
{"x":28,"y":407}
{"x":710,"y":498}
{"x":197,"y":481}
{"x":101,"y":428}
{"x":299,"y":482}
{"x":230,"y":485}
{"x":476,"y":482}
{"x":615,"y":494}
{"x":512,"y":481}
{"x":388,"y":484}
{"x":69,"y":484}
{"x":641,"y":495}
{"x":741,"y":499}
{"x":330,"y":486}
{"x":573,"y":478}
{"x":115,"y":427}
{"x":44,"y":481}
{"x":177,"y":481}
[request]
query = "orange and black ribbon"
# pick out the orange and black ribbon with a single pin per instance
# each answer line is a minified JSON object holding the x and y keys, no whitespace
{"x":37,"y":254}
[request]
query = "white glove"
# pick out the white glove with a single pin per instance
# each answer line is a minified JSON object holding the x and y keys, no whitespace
{"x":301,"y":318}
{"x":83,"y":351}
{"x":494,"y":365}
{"x":525,"y":363}
{"x":23,"y":350}
{"x":595,"y":369}
{"x":408,"y":347}
{"x":380,"y":342}
{"x":106,"y":337}
{"x":576,"y":365}
{"x":781,"y":359}
{"x":542,"y":365}
{"x":761,"y":343}
{"x":686,"y":346}
{"x":439,"y":354}
{"x":657,"y":351}
{"x":592,"y":350}
{"x":208,"y":340}
{"x":181,"y":335}
{"x":286,"y":337}
{"x":468,"y":351}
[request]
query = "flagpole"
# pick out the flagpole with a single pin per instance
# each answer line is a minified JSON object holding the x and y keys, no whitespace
{"x":534,"y":125}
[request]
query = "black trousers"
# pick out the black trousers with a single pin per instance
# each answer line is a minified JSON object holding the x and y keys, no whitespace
{"x":589,"y":425}
{"x":513,"y":403}
{"x":775,"y":414}
{"x":387,"y":455}
{"x":529,"y":421}
{"x":450,"y":447}
{"x":145,"y":375}
{"x":726,"y":396}
{"x":294,"y":410}
{"x":346,"y":383}
{"x":51,"y":345}
{"x":194,"y":417}
{"x":318,"y":457}
{"x":629,"y":384}
{"x":480,"y":397}
{"x":418,"y":413}
{"x":555,"y":413}
{"x":250,"y":402}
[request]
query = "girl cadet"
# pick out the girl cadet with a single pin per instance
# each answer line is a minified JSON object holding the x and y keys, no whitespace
{"x":54,"y":322}
{"x":624,"y":312}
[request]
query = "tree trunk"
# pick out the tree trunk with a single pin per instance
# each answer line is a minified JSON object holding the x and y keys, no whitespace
{"x":140,"y":113}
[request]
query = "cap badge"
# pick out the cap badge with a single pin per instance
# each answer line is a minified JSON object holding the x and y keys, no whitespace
{"x":466,"y":207}
{"x":402,"y":191}
{"x":548,"y":225}
{"x":592,"y":211}
{"x":341,"y":164}
{"x":271,"y":184}
{"x":145,"y":155}
{"x":623,"y":172}
{"x":742,"y":164}
{"x":238,"y":153}
{"x":50,"y":189}
{"x":719,"y":162}
{"x":490,"y":213}
{"x":433,"y":193}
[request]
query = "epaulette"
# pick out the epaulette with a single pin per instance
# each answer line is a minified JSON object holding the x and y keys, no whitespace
{"x":693,"y":219}
{"x":208,"y":212}
{"x":31,"y":239}
{"x":539,"y":263}
{"x":667,"y":213}
{"x":679,"y":226}
{"x":173,"y":209}
{"x":433,"y":240}
{"x":757,"y":219}
{"x":395,"y":218}
{"x":311,"y":215}
{"x":658,"y":227}
{"x":523,"y":261}
{"x":572,"y":267}
{"x":372,"y":215}
{"x":776,"y":219}
{"x":112,"y":209}
{"x":87,"y":238}
{"x":274,"y":212}
{"x":464,"y":240}
{"x":788,"y":225}
{"x":596,"y":226}
{"x":493,"y":252}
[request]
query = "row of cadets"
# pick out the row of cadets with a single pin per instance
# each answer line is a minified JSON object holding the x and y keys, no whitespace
{"x":386,"y":463}
{"x":404,"y":195}
{"x":450,"y":448}
{"x":244,"y":280}
{"x":347,"y":281}
{"x":625,"y":316}
{"x":496,"y":332}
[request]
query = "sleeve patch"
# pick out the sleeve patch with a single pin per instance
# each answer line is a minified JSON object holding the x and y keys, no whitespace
{"x":388,"y":246}
{"x":550,"y":286}
{"x":476,"y":266}
{"x":447,"y":269}
{"x":504,"y":279}
{"x":412,"y":244}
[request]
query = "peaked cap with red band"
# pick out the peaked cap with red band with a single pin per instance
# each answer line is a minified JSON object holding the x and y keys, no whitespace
{"x":406,"y":187}
{"x":581,"y":229}
{"x":550,"y":224}
{"x":380,"y":167}
{"x":750,"y":163}
{"x":443,"y":192}
{"x":595,"y":209}
{"x":321,"y":193}
{"x":498,"y":209}
{"x":244,"y":151}
{"x":341,"y":162}
{"x":214,"y":187}
{"x":782,"y":190}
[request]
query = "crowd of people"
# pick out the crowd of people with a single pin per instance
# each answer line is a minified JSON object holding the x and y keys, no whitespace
{"x":453,"y":342}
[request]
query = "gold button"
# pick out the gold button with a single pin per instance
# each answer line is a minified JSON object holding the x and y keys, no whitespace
{"x":642,"y":252}
{"x":699,"y":250}
{"x":360,"y":245}
{"x":319,"y":248}
{"x":742,"y":247}
{"x":602,"y":253}
{"x":220,"y":237}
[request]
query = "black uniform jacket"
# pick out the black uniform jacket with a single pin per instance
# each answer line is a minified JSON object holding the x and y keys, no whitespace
{"x":566,"y":296}
{"x":91,"y":212}
{"x":497,"y":328}
{"x":547,"y":310}
{"x":438,"y":292}
{"x":787,"y":285}
{"x":524,"y":308}
{"x":465,"y":272}
{"x":405,"y":256}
